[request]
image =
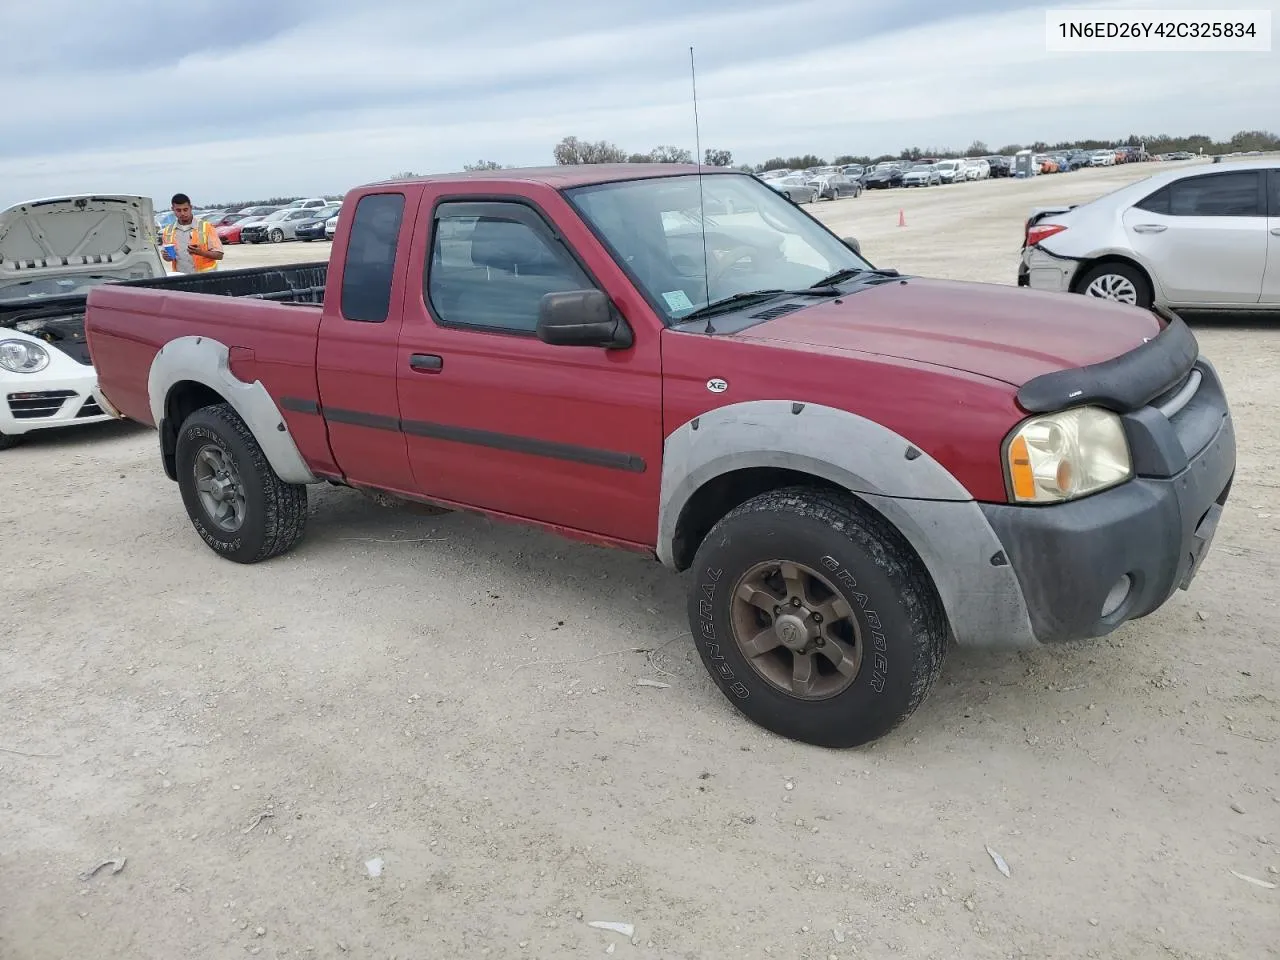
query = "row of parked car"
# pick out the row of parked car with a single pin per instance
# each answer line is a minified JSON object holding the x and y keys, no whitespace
{"x":849,"y":180}
{"x":312,"y":218}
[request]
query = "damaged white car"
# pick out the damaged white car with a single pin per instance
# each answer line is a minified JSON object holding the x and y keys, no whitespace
{"x":51,"y":252}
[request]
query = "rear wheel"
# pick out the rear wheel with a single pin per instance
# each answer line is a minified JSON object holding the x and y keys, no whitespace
{"x":238,"y":504}
{"x":815,"y":619}
{"x":1120,"y":282}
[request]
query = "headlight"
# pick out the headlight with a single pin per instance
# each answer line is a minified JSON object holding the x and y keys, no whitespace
{"x":1062,"y":456}
{"x":23,"y":356}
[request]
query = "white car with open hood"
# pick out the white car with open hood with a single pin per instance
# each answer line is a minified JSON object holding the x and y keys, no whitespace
{"x":51,"y":252}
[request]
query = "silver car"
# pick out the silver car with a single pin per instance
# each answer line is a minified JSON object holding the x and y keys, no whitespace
{"x":277,"y":227}
{"x":922,"y":175}
{"x":833,"y":186}
{"x":1205,"y":238}
{"x":796,"y":187}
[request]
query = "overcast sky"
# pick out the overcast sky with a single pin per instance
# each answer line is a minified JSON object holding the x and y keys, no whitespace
{"x":238,"y":99}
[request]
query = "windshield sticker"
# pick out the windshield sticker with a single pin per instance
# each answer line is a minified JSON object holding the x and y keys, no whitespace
{"x":678,"y":300}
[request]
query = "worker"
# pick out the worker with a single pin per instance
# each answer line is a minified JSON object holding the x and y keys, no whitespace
{"x":191,"y":244}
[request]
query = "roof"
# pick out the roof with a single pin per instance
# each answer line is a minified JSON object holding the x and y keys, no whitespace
{"x":569,"y":175}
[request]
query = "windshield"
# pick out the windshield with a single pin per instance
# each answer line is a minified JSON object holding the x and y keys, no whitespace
{"x":755,"y":238}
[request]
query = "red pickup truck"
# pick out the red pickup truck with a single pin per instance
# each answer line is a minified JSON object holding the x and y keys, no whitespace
{"x":858,"y":467}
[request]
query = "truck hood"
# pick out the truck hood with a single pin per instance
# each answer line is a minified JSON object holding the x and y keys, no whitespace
{"x":1010,"y":334}
{"x":63,"y":245}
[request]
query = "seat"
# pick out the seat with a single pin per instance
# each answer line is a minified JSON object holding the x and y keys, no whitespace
{"x":513,"y":268}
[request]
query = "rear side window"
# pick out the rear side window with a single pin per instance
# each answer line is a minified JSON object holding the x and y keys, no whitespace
{"x":1211,"y":195}
{"x":1273,"y":177}
{"x":1157,"y":202}
{"x":370,"y":261}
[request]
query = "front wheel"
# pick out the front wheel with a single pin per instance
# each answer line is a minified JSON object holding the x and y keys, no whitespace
{"x":277,"y":235}
{"x":8,"y":440}
{"x":238,"y":504}
{"x":815,"y":619}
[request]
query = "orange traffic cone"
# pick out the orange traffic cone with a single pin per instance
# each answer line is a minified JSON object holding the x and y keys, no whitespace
{"x":902,"y":220}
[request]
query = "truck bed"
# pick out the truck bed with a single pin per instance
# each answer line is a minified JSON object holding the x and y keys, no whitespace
{"x":59,"y":321}
{"x":262,"y":310}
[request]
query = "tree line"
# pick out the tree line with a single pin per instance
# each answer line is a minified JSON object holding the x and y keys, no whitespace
{"x":572,"y":150}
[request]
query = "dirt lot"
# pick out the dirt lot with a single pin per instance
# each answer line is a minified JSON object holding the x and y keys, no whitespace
{"x":463,"y":704}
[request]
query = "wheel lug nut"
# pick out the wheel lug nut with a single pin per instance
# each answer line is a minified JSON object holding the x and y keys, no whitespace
{"x":817,"y":618}
{"x":819,"y":642}
{"x":795,"y":601}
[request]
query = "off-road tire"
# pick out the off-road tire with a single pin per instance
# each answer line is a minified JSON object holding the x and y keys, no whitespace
{"x":894,"y":603}
{"x":8,"y":440}
{"x":275,"y":511}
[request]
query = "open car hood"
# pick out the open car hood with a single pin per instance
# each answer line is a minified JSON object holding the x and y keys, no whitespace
{"x":64,"y":245}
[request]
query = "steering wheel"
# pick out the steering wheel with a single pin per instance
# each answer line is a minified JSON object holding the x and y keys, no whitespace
{"x":731,"y":257}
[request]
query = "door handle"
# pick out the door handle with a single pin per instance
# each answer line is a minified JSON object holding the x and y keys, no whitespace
{"x":1150,"y":228}
{"x":426,"y":362}
{"x":1275,"y":231}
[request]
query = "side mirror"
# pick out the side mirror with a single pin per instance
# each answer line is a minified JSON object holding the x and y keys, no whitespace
{"x":852,"y":244}
{"x":581,"y":318}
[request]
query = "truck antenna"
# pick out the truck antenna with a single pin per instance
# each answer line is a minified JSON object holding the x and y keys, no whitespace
{"x":702,"y":204}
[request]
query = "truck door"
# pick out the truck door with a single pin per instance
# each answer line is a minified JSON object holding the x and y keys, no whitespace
{"x":356,"y":356}
{"x":497,"y":419}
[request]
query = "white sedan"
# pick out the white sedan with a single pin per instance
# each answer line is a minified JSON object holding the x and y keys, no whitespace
{"x":49,"y":250}
{"x":1199,"y":239}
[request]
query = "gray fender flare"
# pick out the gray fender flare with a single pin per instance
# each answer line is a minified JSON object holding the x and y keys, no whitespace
{"x":205,"y":361}
{"x":914,"y":492}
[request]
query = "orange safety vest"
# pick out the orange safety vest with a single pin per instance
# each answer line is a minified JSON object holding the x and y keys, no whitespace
{"x":204,"y":229}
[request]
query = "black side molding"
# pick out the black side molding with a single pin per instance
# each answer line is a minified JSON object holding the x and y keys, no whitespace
{"x":627,"y":462}
{"x":299,"y":405}
{"x":1122,"y":384}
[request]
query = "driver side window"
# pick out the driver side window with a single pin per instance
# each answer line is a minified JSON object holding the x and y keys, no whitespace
{"x":491,"y":264}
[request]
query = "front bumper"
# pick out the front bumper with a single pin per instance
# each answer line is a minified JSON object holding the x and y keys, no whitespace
{"x":1088,"y":566}
{"x":34,"y":402}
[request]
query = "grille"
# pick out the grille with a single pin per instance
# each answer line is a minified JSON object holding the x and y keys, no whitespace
{"x":90,"y":409}
{"x":34,"y":406}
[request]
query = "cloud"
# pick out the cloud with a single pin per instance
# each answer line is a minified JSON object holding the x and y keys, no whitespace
{"x":247,"y":98}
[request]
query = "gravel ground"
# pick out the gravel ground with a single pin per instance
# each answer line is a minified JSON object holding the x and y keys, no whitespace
{"x":248,"y":738}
